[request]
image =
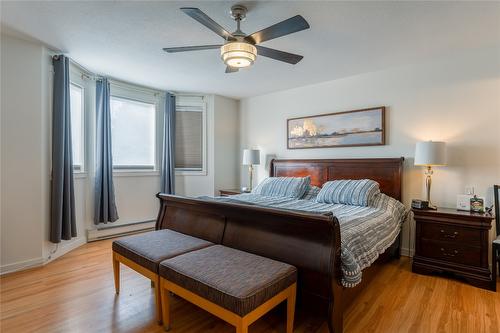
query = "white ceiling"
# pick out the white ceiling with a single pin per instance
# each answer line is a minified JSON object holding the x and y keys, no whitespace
{"x":125,"y":39}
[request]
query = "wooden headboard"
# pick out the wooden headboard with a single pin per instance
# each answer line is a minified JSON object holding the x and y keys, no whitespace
{"x":387,"y":172}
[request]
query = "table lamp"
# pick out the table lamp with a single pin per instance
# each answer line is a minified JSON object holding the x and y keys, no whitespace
{"x":429,"y":154}
{"x":251,"y":157}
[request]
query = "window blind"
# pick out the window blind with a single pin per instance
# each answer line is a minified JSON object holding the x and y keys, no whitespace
{"x":189,"y":138}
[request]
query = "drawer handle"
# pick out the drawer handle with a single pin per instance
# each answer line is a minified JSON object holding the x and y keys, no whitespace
{"x":446,"y":254}
{"x":453,"y":235}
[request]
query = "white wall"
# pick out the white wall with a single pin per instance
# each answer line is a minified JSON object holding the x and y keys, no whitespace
{"x":226,"y":137}
{"x":455,"y":99}
{"x":23,"y":173}
{"x":26,"y":90}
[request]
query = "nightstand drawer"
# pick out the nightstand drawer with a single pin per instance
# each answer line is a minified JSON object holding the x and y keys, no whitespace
{"x":451,"y":251}
{"x":451,"y":233}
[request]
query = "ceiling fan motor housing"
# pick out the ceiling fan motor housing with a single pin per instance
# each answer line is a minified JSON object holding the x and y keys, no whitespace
{"x":238,"y":12}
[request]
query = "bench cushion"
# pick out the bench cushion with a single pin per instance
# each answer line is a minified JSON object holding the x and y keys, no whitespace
{"x":149,"y":249}
{"x":237,"y":281}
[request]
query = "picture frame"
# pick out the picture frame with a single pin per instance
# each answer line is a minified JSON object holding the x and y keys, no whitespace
{"x":355,"y":128}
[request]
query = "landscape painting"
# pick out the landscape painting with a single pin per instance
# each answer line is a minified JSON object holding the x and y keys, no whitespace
{"x":364,"y":127}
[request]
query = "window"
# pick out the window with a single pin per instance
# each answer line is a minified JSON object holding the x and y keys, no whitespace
{"x":189,"y":137}
{"x":133,"y":133}
{"x":77,"y":125}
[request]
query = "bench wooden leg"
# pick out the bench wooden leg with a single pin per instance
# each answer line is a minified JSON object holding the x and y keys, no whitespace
{"x":158,"y":300}
{"x":165,"y":303}
{"x":241,"y":325}
{"x":116,"y":273}
{"x":242,"y":328}
{"x":290,"y":309}
{"x":154,"y":277}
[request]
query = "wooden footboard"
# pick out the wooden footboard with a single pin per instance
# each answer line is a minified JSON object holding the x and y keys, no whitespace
{"x":310,"y":242}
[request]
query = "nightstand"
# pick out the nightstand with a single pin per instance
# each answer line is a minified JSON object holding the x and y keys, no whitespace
{"x":447,"y":240}
{"x":226,"y":193}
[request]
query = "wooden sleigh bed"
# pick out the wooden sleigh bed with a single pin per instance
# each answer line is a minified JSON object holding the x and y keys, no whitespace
{"x":311,"y":242}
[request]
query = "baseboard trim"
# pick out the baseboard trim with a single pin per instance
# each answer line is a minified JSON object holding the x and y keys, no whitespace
{"x":21,"y":265}
{"x":65,"y":248}
{"x":407,"y":252}
{"x":116,"y":231}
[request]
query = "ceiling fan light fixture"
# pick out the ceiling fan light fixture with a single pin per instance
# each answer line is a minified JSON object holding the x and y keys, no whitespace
{"x":238,"y":54}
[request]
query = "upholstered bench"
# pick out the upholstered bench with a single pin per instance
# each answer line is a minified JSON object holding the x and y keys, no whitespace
{"x":144,"y":252}
{"x":236,"y":286}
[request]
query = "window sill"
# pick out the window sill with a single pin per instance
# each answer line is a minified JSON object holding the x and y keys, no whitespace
{"x":79,"y":175}
{"x":135,"y":173}
{"x":190,"y":173}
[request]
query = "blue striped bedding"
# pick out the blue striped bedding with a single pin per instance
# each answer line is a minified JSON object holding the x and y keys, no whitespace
{"x":366,"y":232}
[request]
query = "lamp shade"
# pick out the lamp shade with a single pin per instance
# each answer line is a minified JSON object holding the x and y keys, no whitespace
{"x":251,"y":157}
{"x":430,"y":153}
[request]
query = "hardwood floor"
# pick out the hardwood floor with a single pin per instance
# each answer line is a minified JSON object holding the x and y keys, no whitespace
{"x":75,"y":293}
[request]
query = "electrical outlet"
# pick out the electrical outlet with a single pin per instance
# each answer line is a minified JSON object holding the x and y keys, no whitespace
{"x":469,"y":190}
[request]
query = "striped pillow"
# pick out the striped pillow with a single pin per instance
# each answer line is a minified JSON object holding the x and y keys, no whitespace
{"x":289,"y":187}
{"x":311,"y":193}
{"x":349,"y":192}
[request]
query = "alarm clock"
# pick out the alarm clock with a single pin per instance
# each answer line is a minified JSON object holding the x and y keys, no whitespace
{"x":419,"y":204}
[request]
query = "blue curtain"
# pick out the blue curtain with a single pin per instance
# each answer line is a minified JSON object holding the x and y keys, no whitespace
{"x":105,"y":206}
{"x":62,"y":210}
{"x":168,"y":154}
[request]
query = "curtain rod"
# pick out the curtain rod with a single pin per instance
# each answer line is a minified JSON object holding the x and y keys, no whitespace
{"x":95,"y":77}
{"x":88,"y":75}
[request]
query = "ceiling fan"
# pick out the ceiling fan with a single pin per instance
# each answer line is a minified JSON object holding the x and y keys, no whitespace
{"x":240,"y":50}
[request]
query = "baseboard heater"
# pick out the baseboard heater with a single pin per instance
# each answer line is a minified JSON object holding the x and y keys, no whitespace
{"x":113,"y":231}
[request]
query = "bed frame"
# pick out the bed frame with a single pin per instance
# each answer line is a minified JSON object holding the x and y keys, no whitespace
{"x":283,"y":234}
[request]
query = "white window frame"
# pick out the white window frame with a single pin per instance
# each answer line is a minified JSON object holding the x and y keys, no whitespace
{"x":81,"y":78}
{"x":194,"y":103}
{"x":141,"y":95}
{"x":81,"y":169}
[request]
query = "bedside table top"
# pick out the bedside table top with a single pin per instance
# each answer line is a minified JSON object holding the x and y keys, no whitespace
{"x":452,"y":212}
{"x":231,"y":191}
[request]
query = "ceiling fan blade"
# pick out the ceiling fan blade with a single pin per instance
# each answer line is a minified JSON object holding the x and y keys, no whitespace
{"x":278,"y":55}
{"x":286,"y":27}
{"x":190,"y":48}
{"x":230,"y":69}
{"x":204,"y":19}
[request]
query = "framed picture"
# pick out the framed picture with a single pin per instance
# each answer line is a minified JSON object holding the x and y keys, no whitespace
{"x":365,"y":127}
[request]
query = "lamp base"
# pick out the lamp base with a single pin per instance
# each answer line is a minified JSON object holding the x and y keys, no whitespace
{"x":250,"y":184}
{"x":428,"y":183}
